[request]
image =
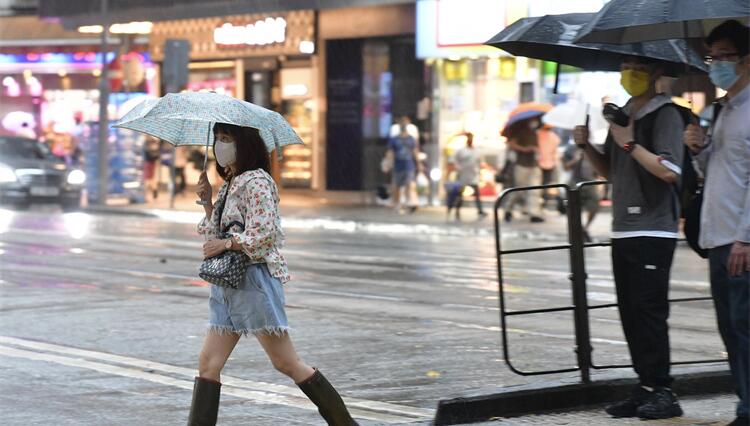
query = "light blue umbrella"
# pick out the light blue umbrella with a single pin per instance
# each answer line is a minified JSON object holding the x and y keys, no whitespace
{"x":188,"y":118}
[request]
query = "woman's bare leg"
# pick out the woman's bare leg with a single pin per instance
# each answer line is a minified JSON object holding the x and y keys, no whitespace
{"x":216,"y":350}
{"x":284,"y":357}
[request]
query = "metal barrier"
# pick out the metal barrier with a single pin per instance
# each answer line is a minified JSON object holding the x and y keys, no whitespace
{"x":580,"y":307}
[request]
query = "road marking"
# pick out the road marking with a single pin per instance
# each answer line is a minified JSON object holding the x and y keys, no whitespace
{"x":262,"y":392}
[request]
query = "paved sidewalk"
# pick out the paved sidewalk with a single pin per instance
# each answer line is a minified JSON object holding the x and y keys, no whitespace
{"x":713,"y":410}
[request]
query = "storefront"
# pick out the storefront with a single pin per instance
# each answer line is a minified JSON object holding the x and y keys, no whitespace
{"x":473,"y":87}
{"x":264,"y":59}
{"x":371,"y":77}
{"x":54,"y":76}
{"x":50,"y":91}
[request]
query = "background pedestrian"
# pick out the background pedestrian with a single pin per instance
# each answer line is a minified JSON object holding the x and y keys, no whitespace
{"x":467,"y":163}
{"x":523,"y":141}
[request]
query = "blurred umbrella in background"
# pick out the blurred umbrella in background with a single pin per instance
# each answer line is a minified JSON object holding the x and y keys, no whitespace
{"x":525,"y":111}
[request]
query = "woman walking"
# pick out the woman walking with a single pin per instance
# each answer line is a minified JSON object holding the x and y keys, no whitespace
{"x":249,"y":198}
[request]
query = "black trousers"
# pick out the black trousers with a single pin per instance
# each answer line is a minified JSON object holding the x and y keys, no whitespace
{"x":641,"y":268}
{"x":732,"y":301}
{"x":477,"y":199}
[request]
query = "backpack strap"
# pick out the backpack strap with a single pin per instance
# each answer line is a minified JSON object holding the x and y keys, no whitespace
{"x":717,"y":106}
{"x":644,"y":135}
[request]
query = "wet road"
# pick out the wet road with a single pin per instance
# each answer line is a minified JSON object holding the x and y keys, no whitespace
{"x":102,"y":317}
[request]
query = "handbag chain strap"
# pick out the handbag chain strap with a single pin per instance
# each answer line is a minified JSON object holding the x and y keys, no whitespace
{"x":221,"y":213}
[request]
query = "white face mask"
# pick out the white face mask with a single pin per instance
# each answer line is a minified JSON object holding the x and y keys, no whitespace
{"x":226,"y":153}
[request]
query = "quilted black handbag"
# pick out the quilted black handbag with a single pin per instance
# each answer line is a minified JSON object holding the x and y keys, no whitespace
{"x":228,"y":268}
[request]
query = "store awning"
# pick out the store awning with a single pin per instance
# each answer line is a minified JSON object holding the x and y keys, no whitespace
{"x":75,"y":13}
{"x":27,"y":34}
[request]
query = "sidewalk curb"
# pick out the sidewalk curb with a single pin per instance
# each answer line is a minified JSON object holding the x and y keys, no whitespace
{"x":560,"y":395}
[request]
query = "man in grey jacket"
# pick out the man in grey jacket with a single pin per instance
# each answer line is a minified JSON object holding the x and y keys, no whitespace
{"x":642,"y":160}
{"x":725,"y":215}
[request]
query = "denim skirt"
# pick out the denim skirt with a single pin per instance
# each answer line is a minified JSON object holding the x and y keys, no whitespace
{"x":255,"y":307}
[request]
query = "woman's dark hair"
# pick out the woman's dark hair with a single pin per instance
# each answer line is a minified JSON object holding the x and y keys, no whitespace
{"x":733,"y":31}
{"x":252,"y":153}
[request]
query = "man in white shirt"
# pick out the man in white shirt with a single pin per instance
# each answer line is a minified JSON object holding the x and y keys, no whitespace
{"x":725,"y":214}
{"x":467,"y":162}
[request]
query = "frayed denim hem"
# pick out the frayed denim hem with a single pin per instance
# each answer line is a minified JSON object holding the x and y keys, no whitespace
{"x":221,"y":330}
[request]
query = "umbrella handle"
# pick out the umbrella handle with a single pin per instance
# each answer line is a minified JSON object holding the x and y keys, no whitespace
{"x":205,"y":161}
{"x":588,"y":115}
{"x":208,"y":142}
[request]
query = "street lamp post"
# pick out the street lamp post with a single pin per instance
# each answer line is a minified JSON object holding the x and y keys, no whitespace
{"x":104,"y":111}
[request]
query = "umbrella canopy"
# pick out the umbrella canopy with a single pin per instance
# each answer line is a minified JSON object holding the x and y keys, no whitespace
{"x":574,"y":113}
{"x":525,"y":111}
{"x":187,"y":119}
{"x":629,"y":21}
{"x":550,"y":38}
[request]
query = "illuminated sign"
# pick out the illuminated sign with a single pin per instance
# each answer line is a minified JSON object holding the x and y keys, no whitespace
{"x":69,"y":58}
{"x":458,"y":28}
{"x":459,"y":25}
{"x":261,"y":33}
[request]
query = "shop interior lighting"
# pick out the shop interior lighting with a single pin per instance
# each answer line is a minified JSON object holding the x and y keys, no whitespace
{"x":143,"y":27}
{"x":90,"y":29}
{"x":292,"y":90}
{"x":12,"y":88}
{"x":32,"y":83}
{"x":96,"y":73}
{"x":307,"y":47}
{"x":137,"y":27}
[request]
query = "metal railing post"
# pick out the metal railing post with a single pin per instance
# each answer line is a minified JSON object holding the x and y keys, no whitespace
{"x":578,"y":281}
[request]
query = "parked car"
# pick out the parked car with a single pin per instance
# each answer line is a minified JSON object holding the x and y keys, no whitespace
{"x":29,"y":173}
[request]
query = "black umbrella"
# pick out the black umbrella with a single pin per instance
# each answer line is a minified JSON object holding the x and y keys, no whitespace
{"x":629,"y":21}
{"x":550,"y":38}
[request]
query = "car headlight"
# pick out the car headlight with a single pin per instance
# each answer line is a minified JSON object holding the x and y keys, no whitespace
{"x":7,"y":174}
{"x":76,"y":177}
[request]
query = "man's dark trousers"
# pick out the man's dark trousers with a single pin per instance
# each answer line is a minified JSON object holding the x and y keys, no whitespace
{"x":732,"y":312}
{"x":641,"y":268}
{"x":477,"y":197}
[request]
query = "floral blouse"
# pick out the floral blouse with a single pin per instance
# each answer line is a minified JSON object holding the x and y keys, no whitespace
{"x":254,"y":201}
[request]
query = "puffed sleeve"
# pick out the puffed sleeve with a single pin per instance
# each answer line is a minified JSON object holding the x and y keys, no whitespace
{"x":207,"y":228}
{"x":259,"y":237}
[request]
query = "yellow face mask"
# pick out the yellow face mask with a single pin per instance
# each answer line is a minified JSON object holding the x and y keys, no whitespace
{"x":634,"y":82}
